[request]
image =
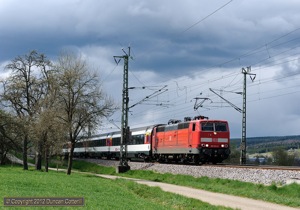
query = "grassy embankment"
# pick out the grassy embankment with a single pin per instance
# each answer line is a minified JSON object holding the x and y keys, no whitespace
{"x":98,"y":193}
{"x":286,"y":195}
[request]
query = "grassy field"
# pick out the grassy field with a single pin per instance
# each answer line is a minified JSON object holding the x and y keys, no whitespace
{"x":286,"y":195}
{"x":98,"y":193}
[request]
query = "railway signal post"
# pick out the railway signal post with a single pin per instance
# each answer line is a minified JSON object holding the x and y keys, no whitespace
{"x":123,"y":165}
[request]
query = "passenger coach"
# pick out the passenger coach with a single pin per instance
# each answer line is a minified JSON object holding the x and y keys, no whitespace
{"x":108,"y":145}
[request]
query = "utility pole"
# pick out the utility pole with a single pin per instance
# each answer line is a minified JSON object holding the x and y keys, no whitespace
{"x":244,"y":140}
{"x":123,"y":165}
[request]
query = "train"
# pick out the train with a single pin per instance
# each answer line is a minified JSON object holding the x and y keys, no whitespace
{"x":195,"y":140}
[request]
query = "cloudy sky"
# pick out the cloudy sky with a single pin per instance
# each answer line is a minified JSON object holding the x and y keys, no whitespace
{"x":180,"y":50}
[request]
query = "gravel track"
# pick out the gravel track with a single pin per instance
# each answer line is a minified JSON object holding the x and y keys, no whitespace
{"x":253,"y":175}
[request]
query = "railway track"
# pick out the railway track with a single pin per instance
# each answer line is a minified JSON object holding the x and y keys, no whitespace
{"x":247,"y":173}
{"x":247,"y":166}
{"x":262,"y":167}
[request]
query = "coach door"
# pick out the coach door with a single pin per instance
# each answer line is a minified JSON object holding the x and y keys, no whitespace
{"x":154,"y":140}
{"x":107,"y":151}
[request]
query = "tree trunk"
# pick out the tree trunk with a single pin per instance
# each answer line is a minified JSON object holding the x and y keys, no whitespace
{"x":25,"y":144}
{"x":70,"y":159}
{"x":38,"y":161}
{"x":3,"y":158}
{"x":46,"y":159}
{"x":38,"y":157}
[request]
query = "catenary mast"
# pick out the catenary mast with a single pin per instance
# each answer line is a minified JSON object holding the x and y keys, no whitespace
{"x":123,"y":165}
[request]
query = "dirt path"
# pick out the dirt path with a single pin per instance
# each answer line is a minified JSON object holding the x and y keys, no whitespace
{"x":210,"y":197}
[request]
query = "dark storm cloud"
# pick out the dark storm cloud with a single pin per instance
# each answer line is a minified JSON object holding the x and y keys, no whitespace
{"x":171,"y":45}
{"x":157,"y":30}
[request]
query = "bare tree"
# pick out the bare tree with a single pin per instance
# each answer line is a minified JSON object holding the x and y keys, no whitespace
{"x":50,"y":133}
{"x":23,"y":90}
{"x":81,"y":100}
{"x":45,"y":129}
{"x":9,"y":135}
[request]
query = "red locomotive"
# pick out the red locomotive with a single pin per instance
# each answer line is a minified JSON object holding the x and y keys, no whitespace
{"x":198,"y":140}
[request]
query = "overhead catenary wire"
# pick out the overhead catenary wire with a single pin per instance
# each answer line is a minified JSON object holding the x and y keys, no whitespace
{"x":179,"y":110}
{"x":269,"y":45}
{"x":251,"y":53}
{"x":207,"y":16}
{"x":156,"y":93}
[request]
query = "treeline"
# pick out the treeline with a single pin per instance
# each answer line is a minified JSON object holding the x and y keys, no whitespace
{"x":46,"y":104}
{"x":278,"y":150}
{"x":268,"y":144}
{"x":266,"y":139}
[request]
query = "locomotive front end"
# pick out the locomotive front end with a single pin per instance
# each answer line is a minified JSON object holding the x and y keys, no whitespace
{"x":214,"y":140}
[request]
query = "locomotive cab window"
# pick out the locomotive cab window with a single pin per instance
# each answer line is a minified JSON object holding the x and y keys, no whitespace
{"x":207,"y":126}
{"x":221,"y":127}
{"x":217,"y":126}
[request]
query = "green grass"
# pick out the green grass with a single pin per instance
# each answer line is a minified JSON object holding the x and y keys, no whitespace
{"x":92,"y":167}
{"x":99,"y":193}
{"x":286,"y":195}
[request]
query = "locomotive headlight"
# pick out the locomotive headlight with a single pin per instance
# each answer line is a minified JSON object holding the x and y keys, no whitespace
{"x":206,"y":145}
{"x":222,"y":145}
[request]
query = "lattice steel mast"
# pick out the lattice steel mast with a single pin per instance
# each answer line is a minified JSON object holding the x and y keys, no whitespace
{"x":244,"y":139}
{"x":123,"y":165}
{"x":243,"y":111}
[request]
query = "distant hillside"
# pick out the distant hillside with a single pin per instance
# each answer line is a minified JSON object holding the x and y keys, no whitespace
{"x":267,"y":144}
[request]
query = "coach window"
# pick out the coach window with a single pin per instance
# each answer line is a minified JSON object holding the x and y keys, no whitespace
{"x":86,"y":144}
{"x":138,"y":139}
{"x":132,"y":140}
{"x":100,"y":142}
{"x":103,"y":142}
{"x":116,"y":141}
{"x":79,"y":144}
{"x":92,"y":143}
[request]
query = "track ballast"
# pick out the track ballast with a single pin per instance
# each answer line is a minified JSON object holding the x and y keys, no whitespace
{"x":255,"y":174}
